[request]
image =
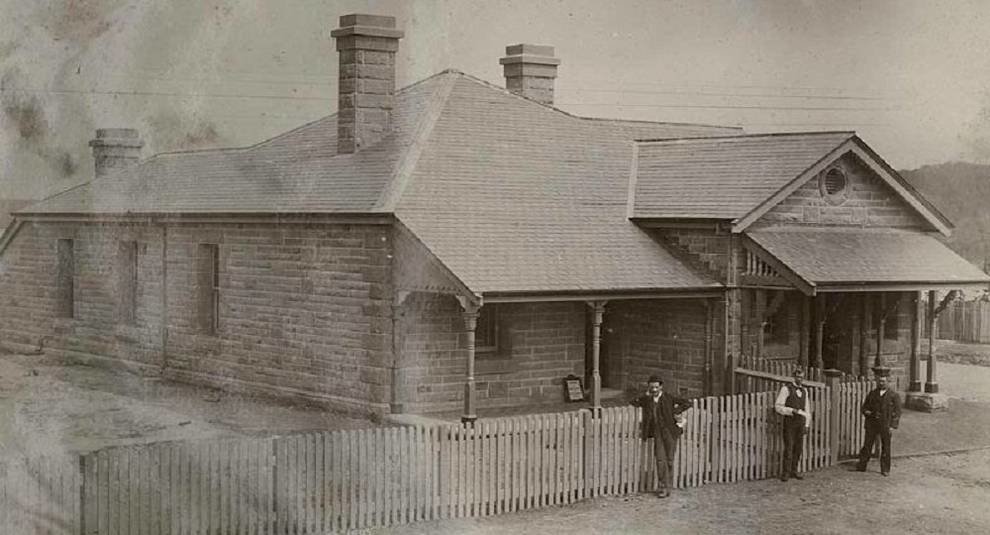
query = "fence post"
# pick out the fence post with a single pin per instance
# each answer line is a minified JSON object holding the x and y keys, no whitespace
{"x":82,"y":494}
{"x":733,"y":364}
{"x":832,"y":377}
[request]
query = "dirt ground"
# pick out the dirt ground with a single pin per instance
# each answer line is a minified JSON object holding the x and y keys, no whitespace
{"x":942,"y":493}
{"x":46,"y":405}
{"x":931,"y":494}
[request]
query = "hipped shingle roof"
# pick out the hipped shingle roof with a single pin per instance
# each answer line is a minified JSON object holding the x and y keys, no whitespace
{"x":510,"y":195}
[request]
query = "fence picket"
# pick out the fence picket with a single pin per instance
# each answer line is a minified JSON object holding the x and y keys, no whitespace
{"x":433,"y":471}
{"x":474,"y":465}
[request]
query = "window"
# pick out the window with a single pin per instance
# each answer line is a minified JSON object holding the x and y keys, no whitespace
{"x":208,"y":287}
{"x":892,"y":325}
{"x":65,"y":279}
{"x":486,"y":333}
{"x":776,"y":327}
{"x":127,"y":275}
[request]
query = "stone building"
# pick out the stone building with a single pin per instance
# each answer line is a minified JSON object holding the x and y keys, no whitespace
{"x":455,"y":245}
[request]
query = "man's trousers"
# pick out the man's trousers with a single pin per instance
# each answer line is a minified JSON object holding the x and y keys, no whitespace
{"x":793,"y":446}
{"x":664,"y":450}
{"x":873,"y":432}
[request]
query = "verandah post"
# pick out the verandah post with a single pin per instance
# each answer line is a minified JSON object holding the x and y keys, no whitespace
{"x":864,"y":322}
{"x":915,"y":369}
{"x":880,"y":330}
{"x":598,"y":310}
{"x":931,"y":385}
{"x":819,"y":329}
{"x":470,"y":315}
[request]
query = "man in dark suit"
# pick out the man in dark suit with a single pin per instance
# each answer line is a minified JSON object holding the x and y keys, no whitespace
{"x":660,"y":423}
{"x":882,"y":410}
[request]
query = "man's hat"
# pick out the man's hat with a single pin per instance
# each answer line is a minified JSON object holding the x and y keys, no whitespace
{"x":655,"y":379}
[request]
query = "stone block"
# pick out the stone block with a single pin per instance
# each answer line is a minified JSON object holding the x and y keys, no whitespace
{"x":926,"y":402}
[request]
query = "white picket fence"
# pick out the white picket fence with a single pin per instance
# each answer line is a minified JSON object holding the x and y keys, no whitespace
{"x":342,"y":480}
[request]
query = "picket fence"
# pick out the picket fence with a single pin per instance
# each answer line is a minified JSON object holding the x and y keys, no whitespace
{"x":850,"y":428}
{"x":342,"y":480}
{"x":40,"y":495}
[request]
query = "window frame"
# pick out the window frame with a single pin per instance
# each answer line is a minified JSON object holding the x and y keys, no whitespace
{"x":208,"y":287}
{"x":65,"y":278}
{"x":488,"y":319}
{"x":127,"y":281}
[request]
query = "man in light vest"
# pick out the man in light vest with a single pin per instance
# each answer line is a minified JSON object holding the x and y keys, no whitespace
{"x":792,"y":403}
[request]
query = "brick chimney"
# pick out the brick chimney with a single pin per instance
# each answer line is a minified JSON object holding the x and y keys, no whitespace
{"x":115,"y":148}
{"x":530,"y":71}
{"x":366,"y":45}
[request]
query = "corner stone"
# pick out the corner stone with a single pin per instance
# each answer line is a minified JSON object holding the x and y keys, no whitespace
{"x":926,"y":402}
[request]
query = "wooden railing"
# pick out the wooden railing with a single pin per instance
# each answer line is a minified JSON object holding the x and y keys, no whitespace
{"x":759,"y":381}
{"x":784,"y":367}
{"x":341,"y":480}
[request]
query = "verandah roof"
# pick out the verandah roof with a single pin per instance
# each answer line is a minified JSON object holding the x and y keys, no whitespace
{"x":851,"y":259}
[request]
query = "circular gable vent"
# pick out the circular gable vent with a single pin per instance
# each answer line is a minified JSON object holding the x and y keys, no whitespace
{"x":833,"y":185}
{"x":835,"y":182}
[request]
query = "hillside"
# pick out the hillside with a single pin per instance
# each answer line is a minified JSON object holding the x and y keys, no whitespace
{"x":962,"y":192}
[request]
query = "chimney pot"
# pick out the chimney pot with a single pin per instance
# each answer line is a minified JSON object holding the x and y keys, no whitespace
{"x":115,"y":148}
{"x":366,"y":46}
{"x":530,"y":71}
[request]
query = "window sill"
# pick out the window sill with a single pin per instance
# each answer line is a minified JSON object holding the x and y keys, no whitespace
{"x":127,"y":332}
{"x":209,"y":343}
{"x":64,"y":325}
{"x":493,"y":364}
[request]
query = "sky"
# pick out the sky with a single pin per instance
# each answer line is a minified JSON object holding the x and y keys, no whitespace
{"x":911,"y":77}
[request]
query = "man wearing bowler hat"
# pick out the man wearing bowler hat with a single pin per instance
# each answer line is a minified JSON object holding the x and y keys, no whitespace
{"x":660,"y":422}
{"x":882,"y":412}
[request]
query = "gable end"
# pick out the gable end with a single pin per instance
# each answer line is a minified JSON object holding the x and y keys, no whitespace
{"x":845,"y":193}
{"x":912,"y":210}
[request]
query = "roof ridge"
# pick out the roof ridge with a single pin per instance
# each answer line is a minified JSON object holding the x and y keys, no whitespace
{"x":196,"y":151}
{"x":660,"y":123}
{"x":334,"y":114}
{"x":53,"y":195}
{"x":573,"y":115}
{"x":405,"y":165}
{"x":742,"y":137}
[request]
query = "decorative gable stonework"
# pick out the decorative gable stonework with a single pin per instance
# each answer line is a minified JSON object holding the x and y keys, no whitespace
{"x":866,"y":201}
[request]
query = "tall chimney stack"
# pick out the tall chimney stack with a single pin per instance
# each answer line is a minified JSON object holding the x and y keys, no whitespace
{"x":115,"y":148}
{"x":530,"y":71}
{"x":366,"y":45}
